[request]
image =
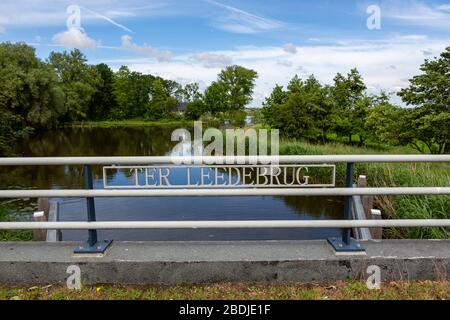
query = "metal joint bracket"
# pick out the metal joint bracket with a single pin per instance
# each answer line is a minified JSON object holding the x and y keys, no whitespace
{"x":99,"y":247}
{"x":351,"y":247}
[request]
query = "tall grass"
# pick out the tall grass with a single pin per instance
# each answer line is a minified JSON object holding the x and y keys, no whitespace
{"x":393,"y":175}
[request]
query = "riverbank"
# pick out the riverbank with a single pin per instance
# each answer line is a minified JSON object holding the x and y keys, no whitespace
{"x":393,"y":175}
{"x":357,"y":290}
{"x":129,"y":123}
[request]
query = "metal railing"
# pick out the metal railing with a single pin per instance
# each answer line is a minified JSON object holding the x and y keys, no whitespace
{"x":344,"y":243}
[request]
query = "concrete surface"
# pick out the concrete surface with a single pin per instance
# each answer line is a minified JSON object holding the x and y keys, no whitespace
{"x":234,"y":261}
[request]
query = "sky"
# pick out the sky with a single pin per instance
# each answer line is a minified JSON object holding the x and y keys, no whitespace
{"x":192,"y":40}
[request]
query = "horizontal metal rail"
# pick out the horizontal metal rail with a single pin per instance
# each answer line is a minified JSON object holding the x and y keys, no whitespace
{"x":112,"y":225}
{"x":223,"y":192}
{"x":46,"y":161}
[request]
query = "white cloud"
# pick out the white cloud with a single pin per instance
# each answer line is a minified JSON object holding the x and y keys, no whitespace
{"x":415,"y":12}
{"x":74,"y":38}
{"x":427,"y":52}
{"x":213,"y":60}
{"x":444,"y":7}
{"x":2,"y":30}
{"x":384,"y":65}
{"x":285,"y":63}
{"x":290,"y":48}
{"x":161,"y":56}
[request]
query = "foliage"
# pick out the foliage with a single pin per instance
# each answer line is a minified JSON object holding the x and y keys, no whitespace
{"x":215,"y":98}
{"x":195,"y":109}
{"x":132,"y":91}
{"x":29,"y":94}
{"x":78,"y":81}
{"x":6,"y":235}
{"x":301,"y":112}
{"x":344,"y":110}
{"x":103,"y":100}
{"x":238,"y":83}
{"x":429,"y":92}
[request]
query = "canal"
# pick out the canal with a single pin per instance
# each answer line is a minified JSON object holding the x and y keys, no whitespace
{"x":151,"y":141}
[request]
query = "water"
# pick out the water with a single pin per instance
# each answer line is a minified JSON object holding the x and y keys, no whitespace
{"x":152,"y":141}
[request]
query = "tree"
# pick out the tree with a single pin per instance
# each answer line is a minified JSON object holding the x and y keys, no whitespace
{"x":429,"y":93}
{"x":194,"y":110}
{"x":216,"y":98}
{"x":30,"y":97}
{"x":103,"y":100}
{"x":277,"y":97}
{"x":78,"y":81}
{"x":161,"y":105}
{"x":238,"y":83}
{"x":191,"y":92}
{"x":389,"y":124}
{"x":347,"y":94}
{"x":301,"y":112}
{"x":132,"y":91}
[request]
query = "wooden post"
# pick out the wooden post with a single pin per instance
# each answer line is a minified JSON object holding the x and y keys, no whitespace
{"x":367,"y":202}
{"x":377,"y":233}
{"x":41,"y":216}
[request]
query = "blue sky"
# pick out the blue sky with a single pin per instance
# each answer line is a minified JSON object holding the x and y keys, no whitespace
{"x":192,"y":40}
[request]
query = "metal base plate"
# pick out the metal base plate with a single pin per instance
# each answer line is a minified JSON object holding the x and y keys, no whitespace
{"x":99,"y":247}
{"x":353,"y":247}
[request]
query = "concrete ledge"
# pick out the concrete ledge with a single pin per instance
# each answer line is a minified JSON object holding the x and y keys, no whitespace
{"x":231,"y":261}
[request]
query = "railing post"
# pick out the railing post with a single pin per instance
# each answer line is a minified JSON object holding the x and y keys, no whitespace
{"x":346,"y":243}
{"x":92,"y":245}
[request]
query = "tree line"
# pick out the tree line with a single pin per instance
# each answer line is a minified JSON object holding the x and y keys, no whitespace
{"x":344,"y":110}
{"x":38,"y":94}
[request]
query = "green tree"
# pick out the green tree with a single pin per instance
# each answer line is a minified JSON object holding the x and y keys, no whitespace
{"x":191,"y":92}
{"x":429,"y":93}
{"x":301,"y":112}
{"x":348,"y":95}
{"x":132,"y":91}
{"x":238,"y":83}
{"x":161,"y":105}
{"x":103,"y":100}
{"x":30,"y":97}
{"x":216,"y":98}
{"x":389,"y":124}
{"x":276,"y":98}
{"x":194,"y":110}
{"x":78,"y":81}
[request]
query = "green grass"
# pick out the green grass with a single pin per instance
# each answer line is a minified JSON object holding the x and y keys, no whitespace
{"x":6,"y":235}
{"x":129,"y":123}
{"x":357,"y":290}
{"x":393,"y":175}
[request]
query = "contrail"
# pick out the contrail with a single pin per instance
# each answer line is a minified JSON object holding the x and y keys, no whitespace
{"x":108,"y":19}
{"x":271,"y":22}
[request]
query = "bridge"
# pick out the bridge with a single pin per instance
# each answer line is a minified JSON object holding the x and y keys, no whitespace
{"x":331,"y":259}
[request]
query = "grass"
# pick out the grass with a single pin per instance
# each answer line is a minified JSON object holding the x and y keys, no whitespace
{"x":348,"y":290}
{"x":6,"y":235}
{"x":393,"y":175}
{"x":128,"y":123}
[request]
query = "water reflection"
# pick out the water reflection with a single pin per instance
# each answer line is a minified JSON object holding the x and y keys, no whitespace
{"x":153,"y":141}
